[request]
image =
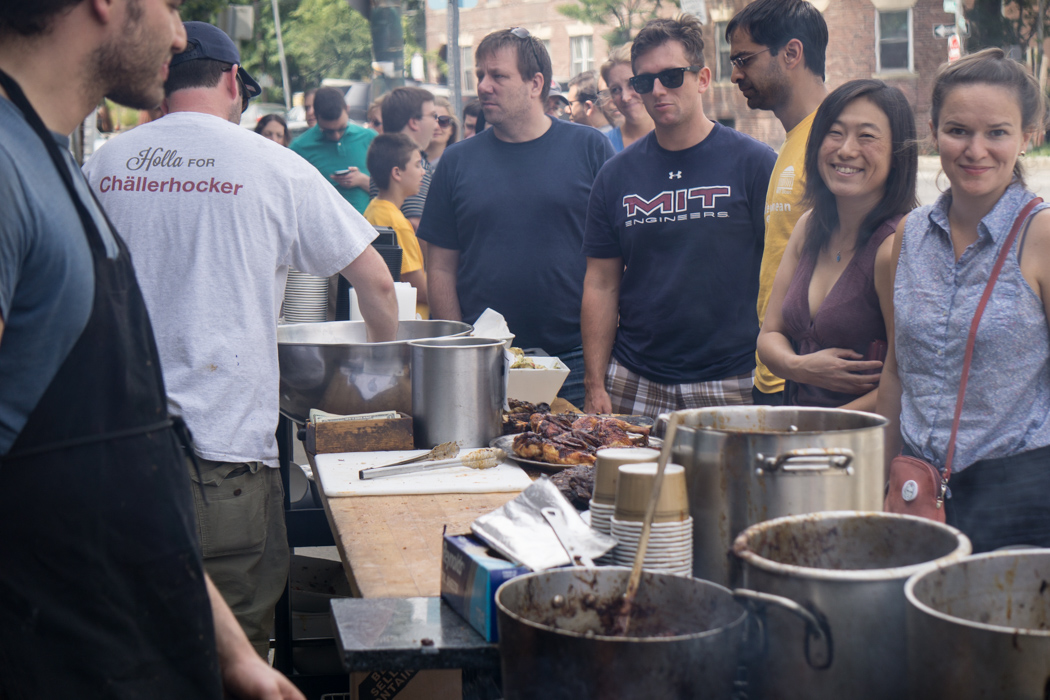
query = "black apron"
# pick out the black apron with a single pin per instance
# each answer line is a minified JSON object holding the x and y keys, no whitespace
{"x":101,"y":584}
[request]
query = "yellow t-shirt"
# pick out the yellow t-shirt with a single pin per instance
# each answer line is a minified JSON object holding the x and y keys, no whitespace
{"x":783,"y":210}
{"x":380,"y":212}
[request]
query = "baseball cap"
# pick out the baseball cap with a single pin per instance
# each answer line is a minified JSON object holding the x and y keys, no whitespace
{"x":556,"y":92}
{"x":206,"y":41}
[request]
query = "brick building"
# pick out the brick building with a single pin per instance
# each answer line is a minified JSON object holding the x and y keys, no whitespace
{"x":888,"y":39}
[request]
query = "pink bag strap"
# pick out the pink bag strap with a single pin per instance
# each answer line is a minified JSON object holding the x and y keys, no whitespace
{"x":972,"y":339}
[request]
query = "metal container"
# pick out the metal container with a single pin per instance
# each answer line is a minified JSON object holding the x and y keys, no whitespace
{"x":980,"y":628}
{"x":458,"y":387}
{"x":333,"y":367}
{"x":848,"y":569}
{"x":555,"y":642}
{"x":748,"y":464}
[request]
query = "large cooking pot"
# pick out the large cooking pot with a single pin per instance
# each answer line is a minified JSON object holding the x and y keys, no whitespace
{"x":747,"y":464}
{"x":687,"y":636}
{"x":555,"y":642}
{"x":332,"y":366}
{"x":848,"y":569}
{"x":980,"y":628}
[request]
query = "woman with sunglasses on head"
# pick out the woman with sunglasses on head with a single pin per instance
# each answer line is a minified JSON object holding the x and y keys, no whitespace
{"x":984,"y":111}
{"x":825,"y":330}
{"x":617,"y":72}
{"x":447,"y":132}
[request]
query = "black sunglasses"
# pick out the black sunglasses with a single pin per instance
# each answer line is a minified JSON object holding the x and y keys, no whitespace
{"x":670,"y":79}
{"x":443,"y":122}
{"x":523,"y":34}
{"x":245,"y":97}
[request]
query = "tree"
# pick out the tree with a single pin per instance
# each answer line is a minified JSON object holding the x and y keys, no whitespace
{"x":625,"y":15}
{"x":328,"y":40}
{"x":1004,"y":23}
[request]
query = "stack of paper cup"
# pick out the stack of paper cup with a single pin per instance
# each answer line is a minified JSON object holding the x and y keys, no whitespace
{"x":670,"y":546}
{"x":305,"y":298}
{"x":603,"y":501}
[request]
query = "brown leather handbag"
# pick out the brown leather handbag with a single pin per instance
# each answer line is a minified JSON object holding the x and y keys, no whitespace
{"x":916,"y":487}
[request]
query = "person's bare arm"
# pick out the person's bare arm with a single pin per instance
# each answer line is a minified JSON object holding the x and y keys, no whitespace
{"x":442,"y":272}
{"x":414,"y":220}
{"x":1,"y":328}
{"x":888,"y":403}
{"x":371,"y":279}
{"x":355,"y":178}
{"x":836,"y":369}
{"x":244,"y":673}
{"x":599,"y":315}
{"x":418,"y":279}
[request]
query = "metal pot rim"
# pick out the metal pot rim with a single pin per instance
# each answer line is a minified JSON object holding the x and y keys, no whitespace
{"x":880,"y":423}
{"x":930,"y":569}
{"x":314,"y":343}
{"x":621,"y":640}
{"x":741,"y":550}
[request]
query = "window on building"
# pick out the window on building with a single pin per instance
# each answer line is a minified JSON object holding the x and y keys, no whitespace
{"x":723,"y":68}
{"x":546,"y":45}
{"x":469,"y":81}
{"x":581,"y":50}
{"x":893,"y":37}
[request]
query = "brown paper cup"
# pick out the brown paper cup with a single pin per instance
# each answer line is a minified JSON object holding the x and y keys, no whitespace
{"x":634,"y":488}
{"x":609,"y":459}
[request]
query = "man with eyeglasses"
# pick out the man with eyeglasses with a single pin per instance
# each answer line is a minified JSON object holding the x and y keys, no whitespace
{"x":337,"y":148}
{"x":673,"y":245}
{"x":214,"y":216}
{"x":583,"y":102}
{"x":777,"y":50}
{"x":506,"y":209}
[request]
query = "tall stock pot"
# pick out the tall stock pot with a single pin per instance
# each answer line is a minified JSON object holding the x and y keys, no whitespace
{"x":747,"y":464}
{"x":848,"y":569}
{"x":980,"y":628}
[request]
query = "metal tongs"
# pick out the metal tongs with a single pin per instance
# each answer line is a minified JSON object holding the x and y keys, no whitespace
{"x":485,"y":458}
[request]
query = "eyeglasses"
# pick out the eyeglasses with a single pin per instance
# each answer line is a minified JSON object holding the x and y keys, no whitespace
{"x":443,"y":122}
{"x":614,"y":92}
{"x":742,"y":61}
{"x":523,"y":34}
{"x":670,"y":79}
{"x":584,"y":97}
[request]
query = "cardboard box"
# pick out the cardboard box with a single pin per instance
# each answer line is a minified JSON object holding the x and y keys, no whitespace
{"x":407,"y":685}
{"x":537,"y":385}
{"x":470,"y":575}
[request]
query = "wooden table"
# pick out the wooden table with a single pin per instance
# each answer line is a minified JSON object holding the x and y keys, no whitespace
{"x":391,"y":545}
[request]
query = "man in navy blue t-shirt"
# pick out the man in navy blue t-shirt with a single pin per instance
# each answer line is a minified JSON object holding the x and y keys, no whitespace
{"x":674,"y":243}
{"x":506,"y":209}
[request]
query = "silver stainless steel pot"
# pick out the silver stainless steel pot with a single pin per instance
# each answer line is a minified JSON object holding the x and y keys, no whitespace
{"x":747,"y":464}
{"x":848,"y":569}
{"x":333,"y":367}
{"x":687,"y":636}
{"x":980,"y":628}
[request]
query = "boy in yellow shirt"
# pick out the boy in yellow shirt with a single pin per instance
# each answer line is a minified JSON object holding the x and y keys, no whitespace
{"x":396,"y":166}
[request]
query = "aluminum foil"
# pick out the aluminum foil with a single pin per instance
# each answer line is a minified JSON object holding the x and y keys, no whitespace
{"x":520,"y":533}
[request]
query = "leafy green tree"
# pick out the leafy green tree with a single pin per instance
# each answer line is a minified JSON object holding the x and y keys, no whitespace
{"x":328,"y":40}
{"x":1004,"y":23}
{"x":626,"y":16}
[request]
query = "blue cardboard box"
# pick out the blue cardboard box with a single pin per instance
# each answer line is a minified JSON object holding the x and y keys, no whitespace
{"x":470,"y":575}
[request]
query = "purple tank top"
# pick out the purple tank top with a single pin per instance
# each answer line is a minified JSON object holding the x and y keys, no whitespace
{"x":849,"y":317}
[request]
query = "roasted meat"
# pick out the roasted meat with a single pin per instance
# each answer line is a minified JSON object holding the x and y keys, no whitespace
{"x":559,"y":439}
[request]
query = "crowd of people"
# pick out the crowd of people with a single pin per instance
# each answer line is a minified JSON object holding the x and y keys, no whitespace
{"x":671,"y":262}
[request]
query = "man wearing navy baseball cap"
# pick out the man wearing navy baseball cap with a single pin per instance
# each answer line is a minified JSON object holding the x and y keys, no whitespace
{"x":214,"y":216}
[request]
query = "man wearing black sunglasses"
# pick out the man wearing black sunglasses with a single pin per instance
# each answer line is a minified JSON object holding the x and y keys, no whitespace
{"x":214,"y":216}
{"x":777,"y":51}
{"x":673,"y":245}
{"x":506,"y":209}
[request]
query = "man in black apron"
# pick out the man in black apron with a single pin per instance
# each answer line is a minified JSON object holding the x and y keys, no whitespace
{"x":102,"y":591}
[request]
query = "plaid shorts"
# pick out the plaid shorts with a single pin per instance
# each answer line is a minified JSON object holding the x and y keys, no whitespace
{"x":635,"y":395}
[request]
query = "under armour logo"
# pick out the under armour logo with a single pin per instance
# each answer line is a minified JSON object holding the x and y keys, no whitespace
{"x":674,"y":175}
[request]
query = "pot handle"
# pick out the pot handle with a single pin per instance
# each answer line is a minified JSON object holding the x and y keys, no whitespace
{"x":809,"y":459}
{"x":816,"y":626}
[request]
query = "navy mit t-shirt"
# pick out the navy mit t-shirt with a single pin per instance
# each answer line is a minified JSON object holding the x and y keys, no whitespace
{"x":516,"y":212}
{"x":689,"y":226}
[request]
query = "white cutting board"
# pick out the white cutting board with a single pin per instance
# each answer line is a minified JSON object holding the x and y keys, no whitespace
{"x":339,"y":476}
